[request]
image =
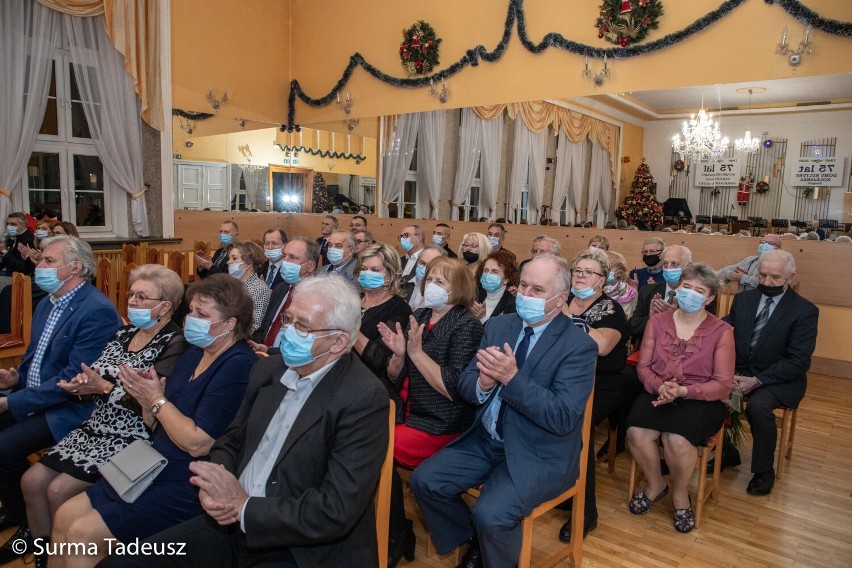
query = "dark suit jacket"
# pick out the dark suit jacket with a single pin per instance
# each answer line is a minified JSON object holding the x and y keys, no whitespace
{"x":319,"y":496}
{"x":637,"y":322}
{"x":322,"y":243}
{"x":12,"y":261}
{"x":80,"y":335}
{"x":782,"y":356}
{"x":450,"y":252}
{"x":262,"y":275}
{"x":220,"y":263}
{"x":543,"y":422}
{"x":279,"y":292}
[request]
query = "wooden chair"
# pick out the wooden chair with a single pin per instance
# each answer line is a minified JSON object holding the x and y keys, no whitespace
{"x":178,"y":263}
{"x":201,"y":246}
{"x":154,"y":256}
{"x":123,"y":287}
{"x":705,"y":488}
{"x":383,"y":493}
{"x":105,"y":280}
{"x":128,"y":254}
{"x":612,"y":440}
{"x":789,"y":417}
{"x":14,"y":344}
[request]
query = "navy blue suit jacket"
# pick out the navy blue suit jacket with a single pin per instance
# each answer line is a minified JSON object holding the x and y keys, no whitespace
{"x":543,"y":422}
{"x":80,"y":335}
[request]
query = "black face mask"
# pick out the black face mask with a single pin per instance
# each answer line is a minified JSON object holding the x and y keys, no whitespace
{"x":651,"y":259}
{"x":770,"y":291}
{"x":470,"y":257}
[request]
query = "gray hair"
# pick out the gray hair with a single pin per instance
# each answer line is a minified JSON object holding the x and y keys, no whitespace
{"x":344,"y":313}
{"x":350,"y":238}
{"x":598,"y":256}
{"x":685,"y":254}
{"x":440,"y":250}
{"x":76,"y":250}
{"x":168,"y":283}
{"x":843,"y":239}
{"x":657,"y":240}
{"x":562,"y":278}
{"x":554,"y":244}
{"x":784,"y":256}
{"x":705,"y":274}
{"x":312,"y":249}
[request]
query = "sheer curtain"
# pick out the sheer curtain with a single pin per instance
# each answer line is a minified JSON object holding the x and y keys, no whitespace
{"x":397,"y":158}
{"x":257,"y":186}
{"x":520,"y":164}
{"x":470,"y":150}
{"x":489,"y":170}
{"x":538,"y":145}
{"x":112,"y":110}
{"x":27,"y":34}
{"x":562,"y":180}
{"x":578,"y":174}
{"x":433,"y":128}
{"x":600,"y":183}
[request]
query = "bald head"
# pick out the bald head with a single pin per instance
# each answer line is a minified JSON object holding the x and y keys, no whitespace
{"x":772,"y":239}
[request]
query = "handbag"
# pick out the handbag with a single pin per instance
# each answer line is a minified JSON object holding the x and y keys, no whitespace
{"x":133,"y":469}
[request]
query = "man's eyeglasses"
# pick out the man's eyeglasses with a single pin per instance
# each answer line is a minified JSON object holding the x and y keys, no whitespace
{"x":584,"y":272}
{"x":288,"y":321}
{"x":364,"y":242}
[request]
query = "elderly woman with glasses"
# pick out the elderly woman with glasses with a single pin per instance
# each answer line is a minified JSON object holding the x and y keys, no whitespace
{"x":603,"y":318}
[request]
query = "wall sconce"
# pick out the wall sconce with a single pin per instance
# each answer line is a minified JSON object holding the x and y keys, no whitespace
{"x":240,"y":121}
{"x":346,"y":104}
{"x":440,"y":95}
{"x":352,"y":123}
{"x":214,"y":102}
{"x":330,"y":166}
{"x":186,"y":126}
{"x":597,"y":78}
{"x":794,"y":57}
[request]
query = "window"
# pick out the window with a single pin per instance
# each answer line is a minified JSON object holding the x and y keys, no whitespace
{"x":469,"y":210}
{"x":406,"y":204}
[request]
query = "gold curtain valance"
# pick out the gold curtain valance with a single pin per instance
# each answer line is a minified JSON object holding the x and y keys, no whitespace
{"x":538,"y":115}
{"x":134,"y":28}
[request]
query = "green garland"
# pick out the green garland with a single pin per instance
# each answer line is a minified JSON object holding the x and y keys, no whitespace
{"x":419,"y":48}
{"x":623,"y":28}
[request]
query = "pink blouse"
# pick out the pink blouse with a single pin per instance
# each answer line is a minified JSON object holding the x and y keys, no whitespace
{"x":704,"y":363}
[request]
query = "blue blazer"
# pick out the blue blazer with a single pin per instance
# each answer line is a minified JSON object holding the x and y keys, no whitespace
{"x":543,"y":420}
{"x":81,"y":334}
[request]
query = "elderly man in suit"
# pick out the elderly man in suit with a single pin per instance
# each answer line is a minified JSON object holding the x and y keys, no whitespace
{"x":273,"y":249}
{"x":291,"y":481}
{"x":71,"y":329}
{"x":775,"y":332}
{"x":531,"y":379}
{"x":341,"y":254}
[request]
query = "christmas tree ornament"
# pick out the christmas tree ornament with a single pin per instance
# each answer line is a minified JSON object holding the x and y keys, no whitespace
{"x":625,"y":23}
{"x":419,"y":48}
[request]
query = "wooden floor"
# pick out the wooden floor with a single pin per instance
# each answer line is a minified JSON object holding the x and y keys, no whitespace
{"x":805,"y":522}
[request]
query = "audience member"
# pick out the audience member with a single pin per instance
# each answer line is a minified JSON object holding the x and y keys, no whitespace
{"x":151,"y":338}
{"x":228,"y":233}
{"x":66,"y":228}
{"x":775,"y":332}
{"x":531,"y":379}
{"x":244,"y":260}
{"x":745,"y":271}
{"x":327,"y":225}
{"x":496,"y":233}
{"x":809,"y":236}
{"x":474,"y":248}
{"x":358,"y":223}
{"x":12,"y":249}
{"x":617,"y":287}
{"x":622,"y":224}
{"x":543,"y":244}
{"x":198,"y":402}
{"x":341,"y":255}
{"x":43,"y":230}
{"x":67,"y":332}
{"x":842,"y":239}
{"x":441,"y":340}
{"x":599,"y":242}
{"x":687,"y":368}
{"x":273,"y":249}
{"x":363,"y":239}
{"x":441,"y":237}
{"x":426,"y":256}
{"x":496,"y":277}
{"x":411,"y":241}
{"x":651,"y":250}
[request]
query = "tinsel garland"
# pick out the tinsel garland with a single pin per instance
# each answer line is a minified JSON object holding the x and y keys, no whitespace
{"x":515,"y":15}
{"x":190,"y":115}
{"x":323,"y":153}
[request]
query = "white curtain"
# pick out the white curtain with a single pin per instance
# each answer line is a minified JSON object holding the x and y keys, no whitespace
{"x":397,"y":158}
{"x":578,"y":175}
{"x":520,"y":163}
{"x":257,"y":187}
{"x":562,"y":180}
{"x":470,"y":150}
{"x":111,"y":108}
{"x":433,"y":129}
{"x":600,"y":183}
{"x":538,"y":145}
{"x":27,"y":34}
{"x":492,"y":143}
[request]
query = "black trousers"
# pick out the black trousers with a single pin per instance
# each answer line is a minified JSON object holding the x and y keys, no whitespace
{"x":17,"y":441}
{"x":764,"y":433}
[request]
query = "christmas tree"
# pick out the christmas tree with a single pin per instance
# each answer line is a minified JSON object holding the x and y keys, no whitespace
{"x":641,"y":207}
{"x":322,"y":204}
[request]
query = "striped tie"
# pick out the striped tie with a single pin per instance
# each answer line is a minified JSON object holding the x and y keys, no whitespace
{"x":270,"y":276}
{"x":760,"y":322}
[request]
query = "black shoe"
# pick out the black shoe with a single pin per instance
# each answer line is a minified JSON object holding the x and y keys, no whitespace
{"x":728,"y":460}
{"x":761,"y":483}
{"x":6,"y":521}
{"x":472,"y":556}
{"x":8,"y":552}
{"x":588,"y":526}
{"x":402,"y":546}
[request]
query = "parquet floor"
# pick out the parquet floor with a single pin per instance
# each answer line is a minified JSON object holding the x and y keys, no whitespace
{"x":805,"y":522}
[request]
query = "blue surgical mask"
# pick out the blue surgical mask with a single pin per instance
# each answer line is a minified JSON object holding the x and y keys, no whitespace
{"x":290,"y":272}
{"x":48,"y":280}
{"x":235,"y":270}
{"x":531,"y":309}
{"x":11,"y":230}
{"x":420,"y":272}
{"x":406,"y":244}
{"x":225,"y":239}
{"x":274,"y":255}
{"x":764,"y":247}
{"x":42,"y":234}
{"x":583,"y":293}
{"x":690,"y":301}
{"x":335,"y":255}
{"x":491,"y":282}
{"x":141,"y":317}
{"x":610,"y":279}
{"x":371,"y":280}
{"x":438,"y":240}
{"x":435,"y":297}
{"x":495,"y":241}
{"x":197,"y":331}
{"x":672,"y":275}
{"x":296,"y":348}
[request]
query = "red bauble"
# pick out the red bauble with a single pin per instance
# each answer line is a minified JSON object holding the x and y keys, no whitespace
{"x":600,"y":34}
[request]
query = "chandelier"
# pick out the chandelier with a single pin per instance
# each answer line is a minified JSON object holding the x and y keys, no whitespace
{"x":702,"y":139}
{"x":747,"y":145}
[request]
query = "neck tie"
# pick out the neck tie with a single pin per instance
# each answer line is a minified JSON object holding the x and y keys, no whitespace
{"x":270,"y":275}
{"x":760,"y":322}
{"x":520,"y":357}
{"x":672,"y":294}
{"x":277,"y":323}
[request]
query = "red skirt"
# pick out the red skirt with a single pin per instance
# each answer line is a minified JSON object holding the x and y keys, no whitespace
{"x":410,"y":445}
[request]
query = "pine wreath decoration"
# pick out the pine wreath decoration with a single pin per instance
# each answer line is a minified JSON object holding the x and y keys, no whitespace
{"x":624,"y":22}
{"x":419,"y":48}
{"x":641,"y":207}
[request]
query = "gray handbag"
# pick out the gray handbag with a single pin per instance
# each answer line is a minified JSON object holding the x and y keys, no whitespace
{"x":133,"y":469}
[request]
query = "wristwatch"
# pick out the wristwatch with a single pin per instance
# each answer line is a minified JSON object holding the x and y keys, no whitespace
{"x":158,"y":405}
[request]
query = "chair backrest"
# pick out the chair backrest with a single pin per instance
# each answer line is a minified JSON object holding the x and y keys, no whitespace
{"x":22,"y":307}
{"x":178,"y":263}
{"x":383,"y":493}
{"x":105,"y":280}
{"x":128,"y":253}
{"x":123,"y":287}
{"x":201,"y":246}
{"x":154,"y":256}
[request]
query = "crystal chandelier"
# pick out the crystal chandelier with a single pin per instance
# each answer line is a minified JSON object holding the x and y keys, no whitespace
{"x":747,"y":145}
{"x":702,"y":139}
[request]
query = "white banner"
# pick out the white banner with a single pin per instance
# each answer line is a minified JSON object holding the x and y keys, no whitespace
{"x":817,"y":172}
{"x":724,"y":172}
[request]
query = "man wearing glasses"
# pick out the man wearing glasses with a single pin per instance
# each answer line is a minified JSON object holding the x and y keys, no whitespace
{"x":745,"y":271}
{"x":653,"y":271}
{"x":363,"y":239}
